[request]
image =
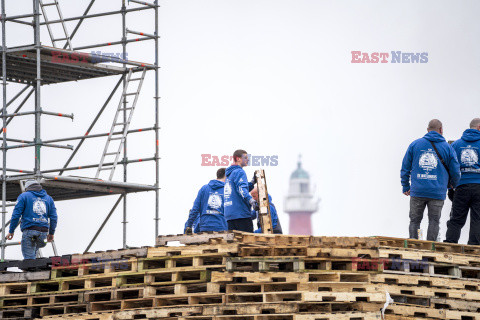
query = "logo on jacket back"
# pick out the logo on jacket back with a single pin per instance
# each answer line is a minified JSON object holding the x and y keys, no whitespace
{"x":428,"y":161}
{"x":39,"y":207}
{"x":469,"y":157}
{"x":214,"y":203}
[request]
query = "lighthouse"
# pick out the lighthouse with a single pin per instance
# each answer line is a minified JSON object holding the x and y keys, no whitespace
{"x":300,"y":202}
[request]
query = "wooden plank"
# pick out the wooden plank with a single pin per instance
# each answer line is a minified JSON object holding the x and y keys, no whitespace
{"x":198,"y":238}
{"x":24,"y":276}
{"x":264,"y":214}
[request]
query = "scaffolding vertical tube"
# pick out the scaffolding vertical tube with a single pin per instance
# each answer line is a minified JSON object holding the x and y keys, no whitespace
{"x":36,"y":28}
{"x":124,"y":51}
{"x":156,"y":122}
{"x":4,"y":131}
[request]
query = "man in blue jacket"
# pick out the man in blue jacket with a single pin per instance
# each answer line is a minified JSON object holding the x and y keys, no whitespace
{"x":208,"y":207}
{"x":423,"y":168}
{"x":277,"y":228}
{"x":35,"y":207}
{"x":467,"y":194}
{"x":238,"y":201}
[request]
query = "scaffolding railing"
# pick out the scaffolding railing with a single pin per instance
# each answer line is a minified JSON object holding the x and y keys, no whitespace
{"x":32,"y":65}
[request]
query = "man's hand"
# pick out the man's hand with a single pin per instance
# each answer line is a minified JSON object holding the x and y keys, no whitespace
{"x":49,"y":237}
{"x":254,"y":204}
{"x":451,"y":194}
{"x":407,"y":193}
{"x":188,"y":230}
{"x":9,"y":236}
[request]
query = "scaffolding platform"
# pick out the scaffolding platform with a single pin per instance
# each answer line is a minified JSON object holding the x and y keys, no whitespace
{"x":69,"y":188}
{"x":59,"y":65}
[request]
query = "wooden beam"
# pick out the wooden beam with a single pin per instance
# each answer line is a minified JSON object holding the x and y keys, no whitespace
{"x":263,"y":203}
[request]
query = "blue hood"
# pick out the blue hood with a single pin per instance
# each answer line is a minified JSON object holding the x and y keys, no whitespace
{"x":215,"y":184}
{"x":471,"y":135}
{"x":231,"y":169}
{"x":42,"y":193}
{"x":434,"y":136}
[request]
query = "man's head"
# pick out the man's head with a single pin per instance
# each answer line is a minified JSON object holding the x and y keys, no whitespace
{"x":475,"y":124}
{"x":435,"y":125}
{"x":32,"y":185}
{"x":254,"y":194}
{"x":240,"y":158}
{"x":221,"y":174}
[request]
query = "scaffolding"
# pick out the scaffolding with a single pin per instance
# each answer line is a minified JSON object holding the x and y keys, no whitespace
{"x":35,"y":65}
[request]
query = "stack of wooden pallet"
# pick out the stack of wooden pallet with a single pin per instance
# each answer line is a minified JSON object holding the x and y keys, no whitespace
{"x":243,"y":276}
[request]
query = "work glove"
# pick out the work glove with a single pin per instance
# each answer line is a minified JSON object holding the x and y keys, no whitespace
{"x":188,"y":230}
{"x":254,"y":204}
{"x":451,"y":194}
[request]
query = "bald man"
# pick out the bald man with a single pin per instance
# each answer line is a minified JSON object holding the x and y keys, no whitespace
{"x":467,"y":194}
{"x":428,"y":166}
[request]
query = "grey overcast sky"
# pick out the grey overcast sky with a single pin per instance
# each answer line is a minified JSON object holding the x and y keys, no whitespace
{"x":273,"y":77}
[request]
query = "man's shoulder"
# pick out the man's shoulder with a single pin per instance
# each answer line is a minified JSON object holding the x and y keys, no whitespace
{"x":420,"y":142}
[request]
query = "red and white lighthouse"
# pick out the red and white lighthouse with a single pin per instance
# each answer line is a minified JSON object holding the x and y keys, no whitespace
{"x":300,"y":203}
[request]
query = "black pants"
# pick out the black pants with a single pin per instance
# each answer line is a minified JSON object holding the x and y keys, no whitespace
{"x":243,"y":224}
{"x":467,"y":197}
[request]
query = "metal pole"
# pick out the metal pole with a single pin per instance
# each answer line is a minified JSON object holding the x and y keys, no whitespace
{"x":79,"y":23}
{"x":4,"y":131}
{"x":36,"y":28}
{"x":125,"y":157}
{"x":95,"y":15}
{"x":93,"y":123}
{"x":103,"y":224}
{"x":156,"y":122}
{"x":21,"y":105}
{"x":16,"y":96}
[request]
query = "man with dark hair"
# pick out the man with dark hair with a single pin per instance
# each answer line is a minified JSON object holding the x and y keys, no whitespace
{"x":467,"y":194}
{"x":429,"y":163}
{"x":208,"y":207}
{"x":277,"y":228}
{"x":238,"y":201}
{"x":35,"y":207}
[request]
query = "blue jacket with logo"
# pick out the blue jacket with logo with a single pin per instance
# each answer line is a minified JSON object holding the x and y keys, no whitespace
{"x":35,"y":208}
{"x":467,"y":149}
{"x":208,"y":208}
{"x":428,"y":176}
{"x":237,"y":196}
{"x":277,"y":228}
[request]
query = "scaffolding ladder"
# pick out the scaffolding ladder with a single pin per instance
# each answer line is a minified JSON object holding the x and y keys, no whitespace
{"x":112,"y":149}
{"x":65,"y":38}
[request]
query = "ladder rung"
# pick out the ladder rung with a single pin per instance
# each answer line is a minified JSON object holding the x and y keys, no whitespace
{"x":110,"y":153}
{"x":119,"y":138}
{"x":49,"y":4}
{"x":130,"y":94}
{"x":128,"y":108}
{"x":105,"y":168}
{"x":60,"y":39}
{"x":136,"y":79}
{"x":119,"y":123}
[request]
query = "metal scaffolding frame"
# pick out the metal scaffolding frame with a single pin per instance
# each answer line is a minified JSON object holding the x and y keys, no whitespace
{"x":34,"y":66}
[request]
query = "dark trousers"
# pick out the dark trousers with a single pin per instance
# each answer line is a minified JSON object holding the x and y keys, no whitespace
{"x":417,"y":207}
{"x":243,"y":224}
{"x":467,"y":197}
